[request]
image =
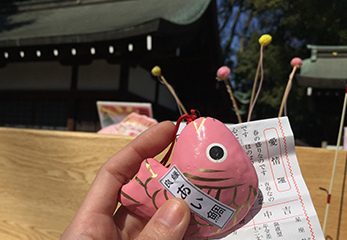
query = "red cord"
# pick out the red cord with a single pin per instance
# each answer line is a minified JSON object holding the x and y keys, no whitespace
{"x":328,"y":200}
{"x":190,"y":118}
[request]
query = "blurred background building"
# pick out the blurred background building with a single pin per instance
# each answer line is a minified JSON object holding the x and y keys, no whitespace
{"x":58,"y":58}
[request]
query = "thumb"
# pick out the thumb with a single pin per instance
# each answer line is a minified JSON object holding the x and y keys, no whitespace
{"x":170,"y":222}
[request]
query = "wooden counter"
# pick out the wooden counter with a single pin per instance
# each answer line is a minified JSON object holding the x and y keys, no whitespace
{"x":316,"y":166}
{"x":44,"y":176}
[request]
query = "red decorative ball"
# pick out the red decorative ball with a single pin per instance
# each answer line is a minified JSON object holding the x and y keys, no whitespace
{"x":223,"y":73}
{"x":296,"y":62}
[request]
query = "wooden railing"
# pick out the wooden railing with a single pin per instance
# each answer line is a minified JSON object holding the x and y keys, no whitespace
{"x":44,"y":176}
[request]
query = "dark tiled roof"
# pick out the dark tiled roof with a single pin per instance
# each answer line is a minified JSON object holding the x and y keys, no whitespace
{"x":98,"y":21}
{"x":327,"y":67}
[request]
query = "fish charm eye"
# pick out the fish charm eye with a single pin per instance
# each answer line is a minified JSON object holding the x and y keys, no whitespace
{"x":216,"y":153}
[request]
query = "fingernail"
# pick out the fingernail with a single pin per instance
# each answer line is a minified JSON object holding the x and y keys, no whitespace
{"x":171,"y":213}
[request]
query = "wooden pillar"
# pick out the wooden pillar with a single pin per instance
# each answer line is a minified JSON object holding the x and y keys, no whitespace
{"x":124,"y":78}
{"x":71,"y":123}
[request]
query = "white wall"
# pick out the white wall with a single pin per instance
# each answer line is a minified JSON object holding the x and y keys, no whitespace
{"x":166,"y":99}
{"x":99,"y":75}
{"x":143,"y":84}
{"x":35,"y":76}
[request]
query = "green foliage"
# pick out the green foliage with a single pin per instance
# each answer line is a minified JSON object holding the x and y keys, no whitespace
{"x":263,"y":6}
{"x":320,"y":21}
{"x":292,"y":24}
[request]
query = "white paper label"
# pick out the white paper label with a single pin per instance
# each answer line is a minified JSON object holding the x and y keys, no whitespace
{"x":283,"y":209}
{"x":199,"y":202}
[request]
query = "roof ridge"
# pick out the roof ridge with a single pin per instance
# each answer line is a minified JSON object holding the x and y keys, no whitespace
{"x":48,"y":4}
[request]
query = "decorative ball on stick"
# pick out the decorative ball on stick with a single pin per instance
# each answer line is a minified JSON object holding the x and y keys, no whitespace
{"x":264,"y":40}
{"x":156,"y":71}
{"x":223,"y":75}
{"x":296,"y":63}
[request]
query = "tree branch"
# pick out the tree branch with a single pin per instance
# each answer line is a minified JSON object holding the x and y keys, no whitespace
{"x":232,"y":33}
{"x":245,"y":30}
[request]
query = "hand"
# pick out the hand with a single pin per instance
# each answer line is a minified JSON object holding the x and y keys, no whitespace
{"x":95,"y":218}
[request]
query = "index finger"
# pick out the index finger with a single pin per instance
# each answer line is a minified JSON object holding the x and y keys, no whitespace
{"x":103,"y":193}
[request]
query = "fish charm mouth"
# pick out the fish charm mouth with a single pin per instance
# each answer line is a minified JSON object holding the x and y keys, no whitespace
{"x":204,"y":179}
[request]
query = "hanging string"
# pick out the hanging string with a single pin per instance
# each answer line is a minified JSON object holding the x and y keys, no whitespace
{"x":296,"y":63}
{"x":260,"y":84}
{"x":223,"y":74}
{"x":264,"y":40}
{"x":255,"y":81}
{"x":189,"y":118}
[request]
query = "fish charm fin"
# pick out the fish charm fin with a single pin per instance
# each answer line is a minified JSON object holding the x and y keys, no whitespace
{"x":144,"y":194}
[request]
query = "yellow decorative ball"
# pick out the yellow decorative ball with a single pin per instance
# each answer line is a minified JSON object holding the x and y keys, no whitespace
{"x":156,"y":71}
{"x":265,"y":39}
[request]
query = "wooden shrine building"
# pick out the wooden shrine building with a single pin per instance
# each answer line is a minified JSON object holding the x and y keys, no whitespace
{"x":325,"y":69}
{"x":324,"y":75}
{"x":57,"y":58}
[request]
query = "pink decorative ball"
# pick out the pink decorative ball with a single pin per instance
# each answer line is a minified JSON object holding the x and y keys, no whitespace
{"x":223,"y":73}
{"x":296,"y":62}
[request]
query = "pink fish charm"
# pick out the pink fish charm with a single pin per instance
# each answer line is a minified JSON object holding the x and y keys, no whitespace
{"x":210,"y":157}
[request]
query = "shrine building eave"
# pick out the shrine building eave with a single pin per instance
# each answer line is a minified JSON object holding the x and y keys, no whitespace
{"x":327,"y":68}
{"x":96,"y":21}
